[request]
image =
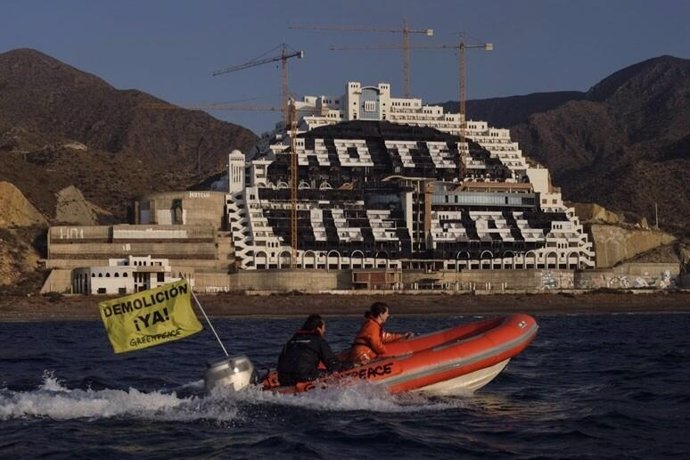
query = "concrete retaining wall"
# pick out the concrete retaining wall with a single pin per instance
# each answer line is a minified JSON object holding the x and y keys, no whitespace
{"x":65,"y":233}
{"x":614,"y":244}
{"x":58,"y":281}
{"x":475,"y":279}
{"x":121,"y":250}
{"x":630,"y":276}
{"x":627,"y":276}
{"x":118,"y":241}
{"x":62,"y":234}
{"x":278,"y":280}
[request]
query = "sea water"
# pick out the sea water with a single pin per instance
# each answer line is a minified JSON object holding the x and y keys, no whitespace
{"x":589,"y":386}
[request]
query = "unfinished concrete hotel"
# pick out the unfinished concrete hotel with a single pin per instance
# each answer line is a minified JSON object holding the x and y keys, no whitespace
{"x":392,"y":183}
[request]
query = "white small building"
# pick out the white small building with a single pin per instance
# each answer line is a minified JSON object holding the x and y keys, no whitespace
{"x":122,"y":276}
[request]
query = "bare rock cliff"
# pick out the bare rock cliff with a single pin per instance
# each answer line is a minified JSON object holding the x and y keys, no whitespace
{"x":73,"y":208}
{"x":16,"y":210}
{"x":20,"y":222}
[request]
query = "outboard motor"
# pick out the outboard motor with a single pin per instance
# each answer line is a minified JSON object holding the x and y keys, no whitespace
{"x":235,"y":373}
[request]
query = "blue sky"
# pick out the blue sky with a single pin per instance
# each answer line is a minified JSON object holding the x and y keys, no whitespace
{"x":170,"y":48}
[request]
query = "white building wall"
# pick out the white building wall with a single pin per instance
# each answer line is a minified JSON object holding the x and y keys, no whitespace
{"x":539,"y":177}
{"x":236,"y":163}
{"x":165,"y":216}
{"x":123,"y":276}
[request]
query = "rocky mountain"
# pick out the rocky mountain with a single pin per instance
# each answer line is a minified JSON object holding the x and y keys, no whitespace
{"x":62,"y":127}
{"x":504,"y":112}
{"x":624,"y":144}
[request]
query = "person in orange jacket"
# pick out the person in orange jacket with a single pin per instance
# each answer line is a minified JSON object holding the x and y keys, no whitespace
{"x":371,"y":338}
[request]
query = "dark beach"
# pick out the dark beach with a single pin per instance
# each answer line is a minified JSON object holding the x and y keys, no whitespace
{"x":67,"y":308}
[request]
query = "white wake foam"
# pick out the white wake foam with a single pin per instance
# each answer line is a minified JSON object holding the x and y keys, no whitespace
{"x":55,"y":401}
{"x":353,"y":397}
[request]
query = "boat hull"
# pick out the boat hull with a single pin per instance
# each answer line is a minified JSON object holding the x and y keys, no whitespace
{"x":467,"y":383}
{"x":457,"y":360}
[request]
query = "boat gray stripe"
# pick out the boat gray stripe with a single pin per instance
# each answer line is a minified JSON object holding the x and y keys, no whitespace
{"x":429,"y":370}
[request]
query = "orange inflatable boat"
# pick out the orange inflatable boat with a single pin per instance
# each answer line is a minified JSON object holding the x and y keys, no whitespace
{"x":455,"y":360}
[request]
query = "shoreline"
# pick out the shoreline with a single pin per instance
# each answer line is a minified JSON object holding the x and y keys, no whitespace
{"x":84,"y":308}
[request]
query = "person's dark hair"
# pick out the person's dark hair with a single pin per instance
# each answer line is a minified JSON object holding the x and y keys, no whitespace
{"x":312,"y":323}
{"x":376,"y":309}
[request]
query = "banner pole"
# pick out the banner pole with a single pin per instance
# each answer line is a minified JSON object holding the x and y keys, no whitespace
{"x":209,"y":324}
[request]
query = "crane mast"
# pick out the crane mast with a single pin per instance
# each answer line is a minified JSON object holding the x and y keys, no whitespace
{"x":462,"y":101}
{"x":294,"y":177}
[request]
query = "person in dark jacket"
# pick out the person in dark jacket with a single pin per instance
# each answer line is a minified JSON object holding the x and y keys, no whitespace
{"x":299,"y":360}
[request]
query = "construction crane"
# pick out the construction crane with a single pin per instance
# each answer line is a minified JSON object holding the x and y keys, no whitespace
{"x":461,"y":47}
{"x":285,"y":54}
{"x":406,"y":31}
{"x":294,"y":177}
{"x":462,"y":101}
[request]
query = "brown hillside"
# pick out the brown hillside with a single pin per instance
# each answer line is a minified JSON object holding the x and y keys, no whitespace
{"x":627,"y":146}
{"x":48,"y":108}
{"x":509,"y":111}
